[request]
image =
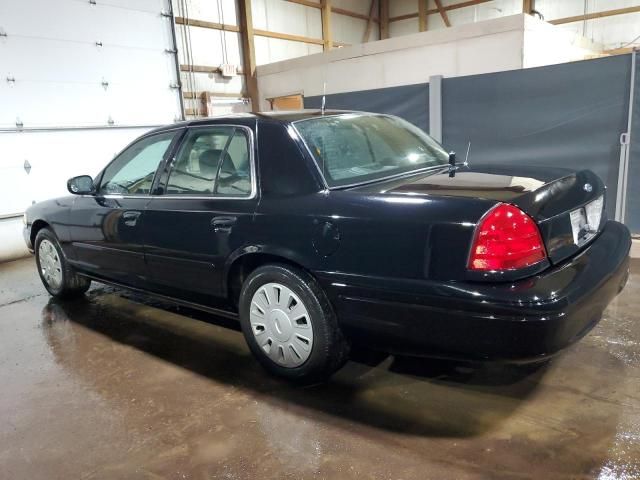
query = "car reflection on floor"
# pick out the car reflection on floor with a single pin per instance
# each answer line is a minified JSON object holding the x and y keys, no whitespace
{"x":132,"y":385}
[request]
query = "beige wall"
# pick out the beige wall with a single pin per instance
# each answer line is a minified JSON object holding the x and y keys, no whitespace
{"x":470,"y":49}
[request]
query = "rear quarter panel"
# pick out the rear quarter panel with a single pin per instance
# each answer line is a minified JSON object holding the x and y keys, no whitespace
{"x":372,"y":235}
{"x":402,"y":236}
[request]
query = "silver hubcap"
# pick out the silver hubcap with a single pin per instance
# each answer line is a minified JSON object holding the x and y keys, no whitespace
{"x":281,"y":325}
{"x":50,"y":264}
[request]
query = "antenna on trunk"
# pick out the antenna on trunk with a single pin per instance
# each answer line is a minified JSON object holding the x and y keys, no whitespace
{"x":324,"y":97}
{"x":466,"y":158}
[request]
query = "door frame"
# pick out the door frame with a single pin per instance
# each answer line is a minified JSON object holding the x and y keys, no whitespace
{"x":160,"y":180}
{"x":157,"y":199}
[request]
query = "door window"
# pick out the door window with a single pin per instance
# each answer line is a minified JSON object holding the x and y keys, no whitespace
{"x":212,"y":161}
{"x":132,"y":172}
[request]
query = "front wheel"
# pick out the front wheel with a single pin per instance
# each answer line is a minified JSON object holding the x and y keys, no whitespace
{"x":57,"y":276}
{"x":289,"y":324}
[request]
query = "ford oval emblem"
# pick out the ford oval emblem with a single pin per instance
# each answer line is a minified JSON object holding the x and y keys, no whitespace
{"x":587,"y":187}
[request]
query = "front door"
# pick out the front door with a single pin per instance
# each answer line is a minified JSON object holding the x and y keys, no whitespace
{"x":204,"y":214}
{"x":106,"y":228}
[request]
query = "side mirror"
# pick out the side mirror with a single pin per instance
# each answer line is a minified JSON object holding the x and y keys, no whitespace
{"x":82,"y":185}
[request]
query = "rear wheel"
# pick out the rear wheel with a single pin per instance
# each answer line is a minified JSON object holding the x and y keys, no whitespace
{"x":57,"y":276}
{"x":289,"y":324}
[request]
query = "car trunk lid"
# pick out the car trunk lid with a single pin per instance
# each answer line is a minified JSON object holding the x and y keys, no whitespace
{"x":562,"y":202}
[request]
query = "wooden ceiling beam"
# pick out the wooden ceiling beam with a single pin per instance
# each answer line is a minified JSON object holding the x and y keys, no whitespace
{"x":406,"y":16}
{"x":455,"y":6}
{"x":594,"y":15}
{"x":527,"y":7}
{"x":256,"y":32}
{"x":338,"y":10}
{"x":349,"y":13}
{"x":443,"y":13}
{"x":288,"y":36}
{"x":192,"y":22}
{"x":306,"y":3}
{"x":367,"y":30}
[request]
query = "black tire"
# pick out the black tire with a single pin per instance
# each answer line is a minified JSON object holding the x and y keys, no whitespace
{"x":71,"y":284}
{"x":329,"y":351}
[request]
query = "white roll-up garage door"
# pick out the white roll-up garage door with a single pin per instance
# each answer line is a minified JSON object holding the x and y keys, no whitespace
{"x":79,"y":79}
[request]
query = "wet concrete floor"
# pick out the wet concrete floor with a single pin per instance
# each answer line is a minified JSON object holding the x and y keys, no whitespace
{"x":118,"y":387}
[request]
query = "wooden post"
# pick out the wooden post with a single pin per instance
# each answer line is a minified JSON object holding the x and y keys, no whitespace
{"x":248,"y":53}
{"x":528,"y":6}
{"x":326,"y":25}
{"x":422,"y":15}
{"x":384,"y":19}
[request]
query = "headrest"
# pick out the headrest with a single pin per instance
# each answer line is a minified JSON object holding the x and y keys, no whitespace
{"x":208,"y":163}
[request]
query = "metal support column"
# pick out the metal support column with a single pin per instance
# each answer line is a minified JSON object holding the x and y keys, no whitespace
{"x":625,"y":149}
{"x":435,"y":107}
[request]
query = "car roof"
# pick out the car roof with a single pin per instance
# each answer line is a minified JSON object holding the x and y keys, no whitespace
{"x":278,"y":116}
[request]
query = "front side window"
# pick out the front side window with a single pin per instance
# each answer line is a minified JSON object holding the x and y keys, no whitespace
{"x":132,"y":172}
{"x":212,"y":161}
{"x":357,"y":148}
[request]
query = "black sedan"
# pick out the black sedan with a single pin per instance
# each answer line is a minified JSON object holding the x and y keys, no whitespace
{"x":321,"y":229}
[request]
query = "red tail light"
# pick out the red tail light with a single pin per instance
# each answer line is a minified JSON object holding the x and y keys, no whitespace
{"x":506,"y":239}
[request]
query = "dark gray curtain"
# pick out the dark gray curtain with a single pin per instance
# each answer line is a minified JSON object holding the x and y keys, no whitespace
{"x":633,"y":184}
{"x":569,"y":115}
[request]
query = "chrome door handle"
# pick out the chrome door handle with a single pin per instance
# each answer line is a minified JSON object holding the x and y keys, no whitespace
{"x":131,"y":218}
{"x":223,"y":223}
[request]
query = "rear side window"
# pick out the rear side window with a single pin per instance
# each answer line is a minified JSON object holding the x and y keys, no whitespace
{"x":212,"y":161}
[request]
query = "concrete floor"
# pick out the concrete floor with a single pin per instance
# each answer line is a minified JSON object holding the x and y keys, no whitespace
{"x":122,"y":388}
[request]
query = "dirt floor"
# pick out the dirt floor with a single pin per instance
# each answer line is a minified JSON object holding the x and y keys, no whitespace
{"x":118,"y":387}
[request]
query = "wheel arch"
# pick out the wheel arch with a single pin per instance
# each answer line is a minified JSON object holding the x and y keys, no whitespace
{"x":243,"y":262}
{"x":36,"y":226}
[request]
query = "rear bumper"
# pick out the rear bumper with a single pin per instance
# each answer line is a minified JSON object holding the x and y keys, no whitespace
{"x":520,"y":321}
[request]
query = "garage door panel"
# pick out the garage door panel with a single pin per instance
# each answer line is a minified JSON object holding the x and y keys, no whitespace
{"x":58,"y":62}
{"x":83,"y":22}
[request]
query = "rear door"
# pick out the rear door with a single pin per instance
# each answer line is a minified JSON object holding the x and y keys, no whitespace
{"x":204,"y":212}
{"x":106,"y":228}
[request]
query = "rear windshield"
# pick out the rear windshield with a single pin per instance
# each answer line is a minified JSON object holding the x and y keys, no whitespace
{"x":357,"y":148}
